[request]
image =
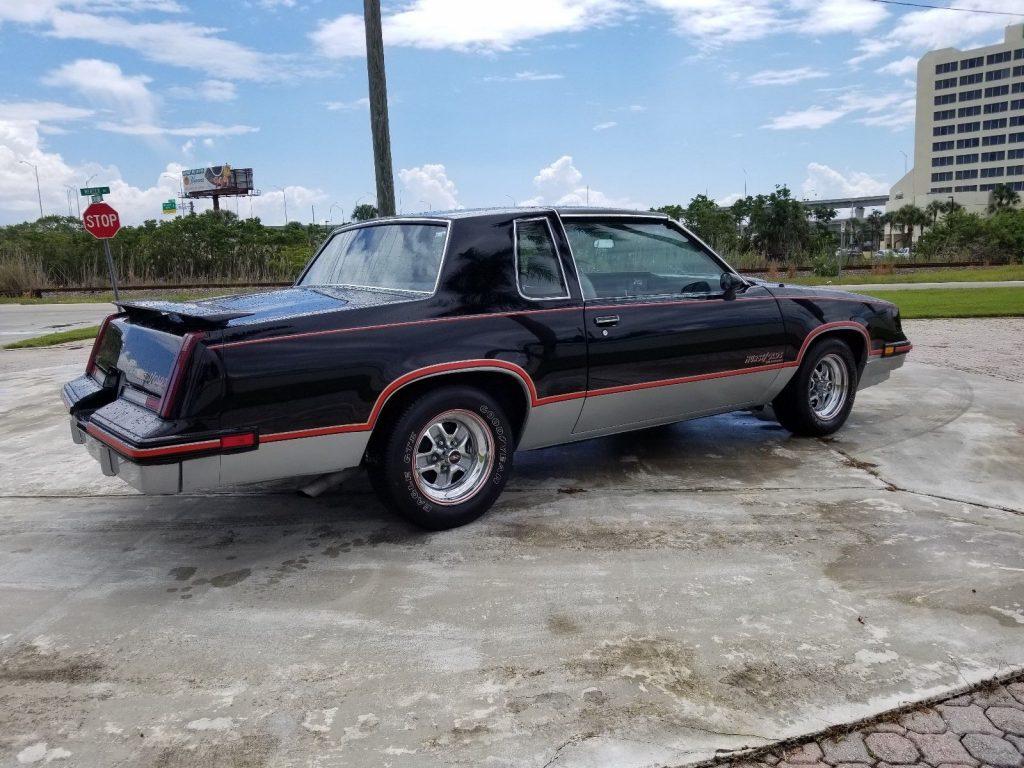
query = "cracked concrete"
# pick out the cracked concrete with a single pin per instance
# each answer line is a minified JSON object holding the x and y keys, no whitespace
{"x":640,"y":600}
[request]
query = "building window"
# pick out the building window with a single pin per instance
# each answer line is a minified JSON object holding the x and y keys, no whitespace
{"x":991,"y":125}
{"x":1018,"y":71}
{"x":1015,"y":170}
{"x":970,"y":95}
{"x":968,"y":127}
{"x":996,"y":106}
{"x":986,"y":187}
{"x":944,"y":114}
{"x":967,"y":143}
{"x":1017,"y":104}
{"x":938,"y":162}
{"x":1018,"y":54}
{"x":1017,"y":186}
{"x":967,"y":188}
{"x":945,"y":98}
{"x":991,"y":173}
{"x":997,"y":74}
{"x":946,"y":82}
{"x":960,"y":159}
{"x":949,"y":66}
{"x":1015,"y":154}
{"x":1016,"y":138}
{"x":992,"y":157}
{"x":941,"y":146}
{"x":974,"y":79}
{"x":1017,"y":120}
{"x":977,"y":61}
{"x":996,"y":90}
{"x":943,"y":130}
{"x":1017,"y":88}
{"x":939,"y":190}
{"x":998,"y":58}
{"x":993,"y":141}
{"x":943,"y":176}
{"x":968,"y":174}
{"x":969,"y":111}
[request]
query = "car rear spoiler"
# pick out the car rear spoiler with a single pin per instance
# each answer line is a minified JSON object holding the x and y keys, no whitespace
{"x":208,"y":313}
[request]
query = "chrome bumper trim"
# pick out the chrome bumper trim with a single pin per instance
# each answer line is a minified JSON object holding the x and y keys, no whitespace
{"x":878,"y":369}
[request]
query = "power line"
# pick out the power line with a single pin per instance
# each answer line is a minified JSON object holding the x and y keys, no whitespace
{"x":948,"y":8}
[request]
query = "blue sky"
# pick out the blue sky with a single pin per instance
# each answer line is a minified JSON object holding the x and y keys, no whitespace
{"x":645,"y":102}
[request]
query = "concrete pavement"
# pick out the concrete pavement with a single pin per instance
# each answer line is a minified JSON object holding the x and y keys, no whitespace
{"x":638,"y":600}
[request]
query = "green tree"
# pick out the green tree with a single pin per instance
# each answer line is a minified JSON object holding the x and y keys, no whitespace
{"x":778,"y":226}
{"x":364,"y":212}
{"x":710,"y":223}
{"x":933,"y":209}
{"x":874,"y":227}
{"x":674,"y":211}
{"x":1002,"y":197}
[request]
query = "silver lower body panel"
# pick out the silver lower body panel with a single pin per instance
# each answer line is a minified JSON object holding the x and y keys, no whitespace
{"x":878,"y":369}
{"x":270,"y":461}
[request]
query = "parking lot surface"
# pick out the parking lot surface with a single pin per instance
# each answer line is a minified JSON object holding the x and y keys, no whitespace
{"x":23,"y":321}
{"x":646,"y":599}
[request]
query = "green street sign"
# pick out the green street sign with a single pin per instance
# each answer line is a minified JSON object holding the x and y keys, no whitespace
{"x":90,"y":191}
{"x":169,"y":207}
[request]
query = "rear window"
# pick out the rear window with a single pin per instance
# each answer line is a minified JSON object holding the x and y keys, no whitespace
{"x":402,"y":257}
{"x":147,"y":357}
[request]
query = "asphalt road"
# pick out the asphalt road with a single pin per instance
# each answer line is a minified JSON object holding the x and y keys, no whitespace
{"x":23,"y":321}
{"x":638,"y":600}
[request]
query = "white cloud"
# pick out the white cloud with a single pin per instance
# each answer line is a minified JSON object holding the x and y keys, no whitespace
{"x":103,"y":83}
{"x":926,"y":30}
{"x":890,"y":110}
{"x":729,"y":199}
{"x":465,"y":24}
{"x":714,"y":22}
{"x":785,"y":76}
{"x":429,"y":183}
{"x":811,"y":118}
{"x":348,"y":106}
{"x":218,"y":90}
{"x":822,"y":17}
{"x":41,"y":111}
{"x":823,"y":181}
{"x":605,"y":126}
{"x":200,"y":129}
{"x":187,"y":147}
{"x":269,"y":206}
{"x":561,"y":184}
{"x":524,"y":77}
{"x":905,"y":66}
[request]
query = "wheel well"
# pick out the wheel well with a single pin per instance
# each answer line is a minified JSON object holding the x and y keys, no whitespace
{"x":853,"y":339}
{"x":506,"y":388}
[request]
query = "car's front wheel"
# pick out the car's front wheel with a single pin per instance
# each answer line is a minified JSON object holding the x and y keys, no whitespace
{"x":445,"y":459}
{"x":818,"y":399}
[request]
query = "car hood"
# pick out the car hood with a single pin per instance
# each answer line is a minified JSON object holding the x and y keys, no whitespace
{"x":242,"y":310}
{"x":786,"y":291}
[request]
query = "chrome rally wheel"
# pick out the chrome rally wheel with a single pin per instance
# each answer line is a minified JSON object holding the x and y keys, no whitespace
{"x":453,"y":459}
{"x":828,"y":387}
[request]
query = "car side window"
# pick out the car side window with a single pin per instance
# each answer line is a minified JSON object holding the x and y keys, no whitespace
{"x":538,"y":269}
{"x":622,"y":258}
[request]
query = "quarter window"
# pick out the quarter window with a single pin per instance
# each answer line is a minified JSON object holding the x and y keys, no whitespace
{"x":537,"y":267}
{"x":626,"y":258}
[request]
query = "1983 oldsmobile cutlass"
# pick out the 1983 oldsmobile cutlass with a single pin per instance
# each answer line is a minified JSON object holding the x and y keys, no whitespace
{"x":430,"y":348}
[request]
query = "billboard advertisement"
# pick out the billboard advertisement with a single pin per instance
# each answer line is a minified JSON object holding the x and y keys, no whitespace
{"x":216,"y":180}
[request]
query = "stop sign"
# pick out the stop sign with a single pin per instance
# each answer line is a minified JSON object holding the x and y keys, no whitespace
{"x":101,"y":221}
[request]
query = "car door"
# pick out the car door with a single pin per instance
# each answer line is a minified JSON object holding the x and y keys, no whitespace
{"x":664,"y":341}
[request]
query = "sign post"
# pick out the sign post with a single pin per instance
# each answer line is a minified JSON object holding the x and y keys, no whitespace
{"x":102,"y":222}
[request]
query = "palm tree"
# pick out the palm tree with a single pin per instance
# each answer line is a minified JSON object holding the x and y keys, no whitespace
{"x":933,"y":209}
{"x":1002,"y":197}
{"x":951,"y":206}
{"x":874,"y":225}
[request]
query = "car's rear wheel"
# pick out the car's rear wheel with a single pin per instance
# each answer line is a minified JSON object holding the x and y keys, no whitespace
{"x":819,"y":397}
{"x":445,"y":459}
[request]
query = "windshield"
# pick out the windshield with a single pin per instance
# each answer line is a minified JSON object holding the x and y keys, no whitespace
{"x":403,"y":257}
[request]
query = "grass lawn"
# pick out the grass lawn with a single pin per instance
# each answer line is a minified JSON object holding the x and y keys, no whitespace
{"x":49,"y":339}
{"x":101,"y":298}
{"x":950,"y":302}
{"x":970,"y":274}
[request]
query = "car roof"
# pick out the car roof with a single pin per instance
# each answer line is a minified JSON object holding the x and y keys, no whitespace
{"x":470,"y":213}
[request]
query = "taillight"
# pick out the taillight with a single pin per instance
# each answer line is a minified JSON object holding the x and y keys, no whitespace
{"x":91,"y":365}
{"x":178,"y":373}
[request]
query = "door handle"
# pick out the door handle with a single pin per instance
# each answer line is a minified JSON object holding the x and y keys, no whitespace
{"x":604,"y":321}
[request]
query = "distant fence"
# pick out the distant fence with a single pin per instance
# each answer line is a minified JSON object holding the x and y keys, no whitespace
{"x":38,"y":293}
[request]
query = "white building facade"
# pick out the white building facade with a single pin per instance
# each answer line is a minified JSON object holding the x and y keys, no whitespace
{"x":969,"y":128}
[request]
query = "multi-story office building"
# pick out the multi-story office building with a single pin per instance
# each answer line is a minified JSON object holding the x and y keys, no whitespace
{"x":969,"y":132}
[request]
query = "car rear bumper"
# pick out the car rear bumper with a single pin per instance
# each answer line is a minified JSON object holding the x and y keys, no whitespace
{"x":879,"y":368}
{"x":270,"y":461}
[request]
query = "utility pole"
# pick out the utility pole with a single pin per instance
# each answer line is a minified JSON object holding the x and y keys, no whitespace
{"x":379,"y":109}
{"x":39,"y":192}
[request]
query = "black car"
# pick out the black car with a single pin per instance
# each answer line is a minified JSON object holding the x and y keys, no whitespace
{"x":431,"y":348}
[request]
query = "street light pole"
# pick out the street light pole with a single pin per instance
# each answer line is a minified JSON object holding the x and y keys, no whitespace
{"x":379,"y":109}
{"x":284,"y":199}
{"x":904,"y":162}
{"x":39,"y":192}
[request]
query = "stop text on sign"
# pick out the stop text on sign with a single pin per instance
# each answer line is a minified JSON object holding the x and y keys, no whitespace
{"x":101,"y":220}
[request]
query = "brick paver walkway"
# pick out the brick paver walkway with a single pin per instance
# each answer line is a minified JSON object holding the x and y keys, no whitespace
{"x":977,"y":729}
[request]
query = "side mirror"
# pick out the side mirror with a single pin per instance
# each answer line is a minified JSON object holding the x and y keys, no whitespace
{"x":731,"y":283}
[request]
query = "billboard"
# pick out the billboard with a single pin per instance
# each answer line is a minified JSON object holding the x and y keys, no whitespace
{"x":216,"y":180}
